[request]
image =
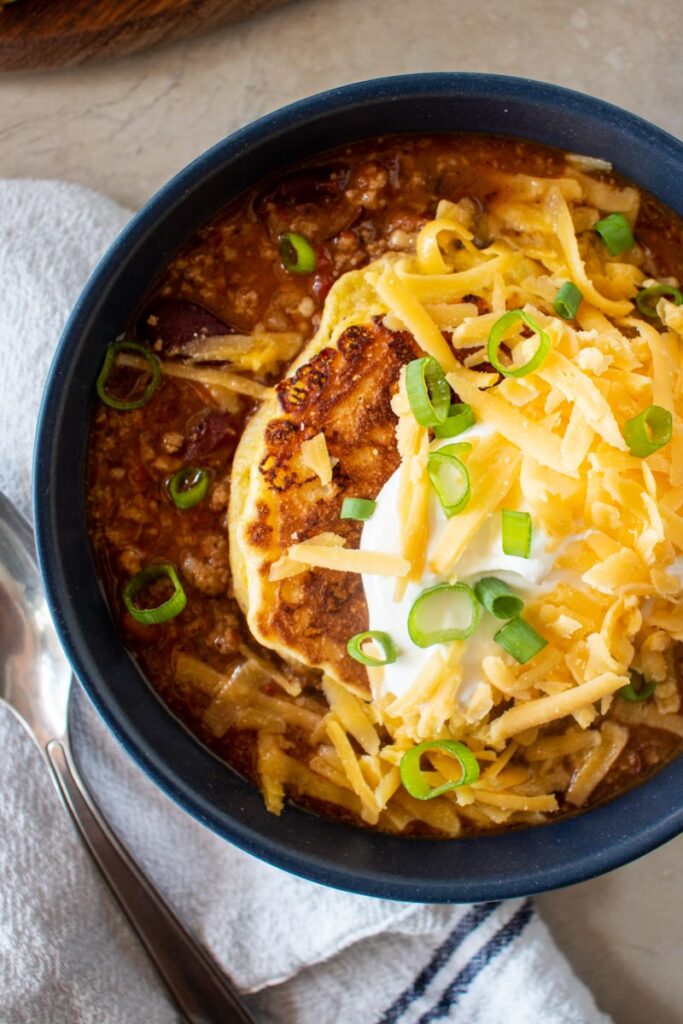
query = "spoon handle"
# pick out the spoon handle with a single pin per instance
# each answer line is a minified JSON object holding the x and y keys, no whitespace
{"x":199,"y":987}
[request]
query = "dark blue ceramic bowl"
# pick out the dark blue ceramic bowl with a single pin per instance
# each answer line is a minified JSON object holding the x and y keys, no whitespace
{"x":493,"y":867}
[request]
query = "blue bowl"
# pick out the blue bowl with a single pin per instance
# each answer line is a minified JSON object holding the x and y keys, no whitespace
{"x":487,"y":868}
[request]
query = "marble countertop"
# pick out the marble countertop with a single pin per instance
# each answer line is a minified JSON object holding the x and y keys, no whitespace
{"x":125,"y":127}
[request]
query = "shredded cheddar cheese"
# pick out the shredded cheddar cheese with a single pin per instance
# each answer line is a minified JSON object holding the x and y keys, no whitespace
{"x":284,"y":567}
{"x":373,"y":563}
{"x":558,"y":442}
{"x":405,"y":306}
{"x":555,"y":445}
{"x":315,"y":456}
{"x":413,"y":444}
{"x":492,"y":468}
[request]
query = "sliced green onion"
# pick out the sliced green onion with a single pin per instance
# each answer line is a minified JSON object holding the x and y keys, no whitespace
{"x":428,"y":390}
{"x":498,"y":599}
{"x":567,"y":301}
{"x":383,"y":641}
{"x":108,"y":365}
{"x":649,"y":308}
{"x":638,"y":689}
{"x":445,"y":612}
{"x":516,"y":533}
{"x":616,"y":233}
{"x":497,"y":336}
{"x":163,"y":612}
{"x":188,"y":486}
{"x":450,"y":480}
{"x":460,"y":417}
{"x":357,"y":508}
{"x":297,"y":254}
{"x":520,"y":640}
{"x":649,"y":431}
{"x":457,"y":449}
{"x":414,"y":780}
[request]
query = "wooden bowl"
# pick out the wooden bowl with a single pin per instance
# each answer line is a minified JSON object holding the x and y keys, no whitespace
{"x":39,"y":34}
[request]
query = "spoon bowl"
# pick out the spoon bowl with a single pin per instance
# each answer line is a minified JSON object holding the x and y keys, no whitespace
{"x":35,"y":677}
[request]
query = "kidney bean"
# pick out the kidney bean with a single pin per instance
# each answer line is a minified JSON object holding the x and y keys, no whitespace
{"x":174,"y":322}
{"x":212,"y":430}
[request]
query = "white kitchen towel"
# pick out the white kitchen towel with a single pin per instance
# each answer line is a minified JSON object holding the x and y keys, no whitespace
{"x":304,"y":953}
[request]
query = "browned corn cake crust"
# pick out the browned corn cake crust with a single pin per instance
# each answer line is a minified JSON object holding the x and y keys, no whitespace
{"x":346,"y":394}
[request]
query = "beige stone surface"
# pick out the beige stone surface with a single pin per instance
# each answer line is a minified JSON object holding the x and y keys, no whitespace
{"x":125,"y":127}
{"x":623,"y":932}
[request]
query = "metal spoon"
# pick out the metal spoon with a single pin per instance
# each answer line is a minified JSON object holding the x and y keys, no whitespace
{"x":35,"y":681}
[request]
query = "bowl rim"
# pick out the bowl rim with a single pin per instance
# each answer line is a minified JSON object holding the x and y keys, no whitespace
{"x":635,"y":822}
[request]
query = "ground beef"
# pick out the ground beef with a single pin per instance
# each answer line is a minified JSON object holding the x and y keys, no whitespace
{"x":207,"y":565}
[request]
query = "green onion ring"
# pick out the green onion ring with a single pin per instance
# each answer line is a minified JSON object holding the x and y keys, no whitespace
{"x":616,"y":233}
{"x":429,"y":392}
{"x":357,"y":508}
{"x":656,"y":291}
{"x":516,"y":533}
{"x":188,"y":486}
{"x":107,"y":366}
{"x":638,"y":689}
{"x":460,"y":417}
{"x":412,"y":776}
{"x":163,"y":612}
{"x":498,"y":599}
{"x":520,"y":639}
{"x":450,"y":479}
{"x":649,"y":431}
{"x":567,"y":301}
{"x":383,"y":641}
{"x":457,"y":449}
{"x":297,"y":255}
{"x":426,"y":606}
{"x":496,"y":337}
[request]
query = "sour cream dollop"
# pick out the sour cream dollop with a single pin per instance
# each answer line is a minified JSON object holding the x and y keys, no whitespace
{"x":484,"y":556}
